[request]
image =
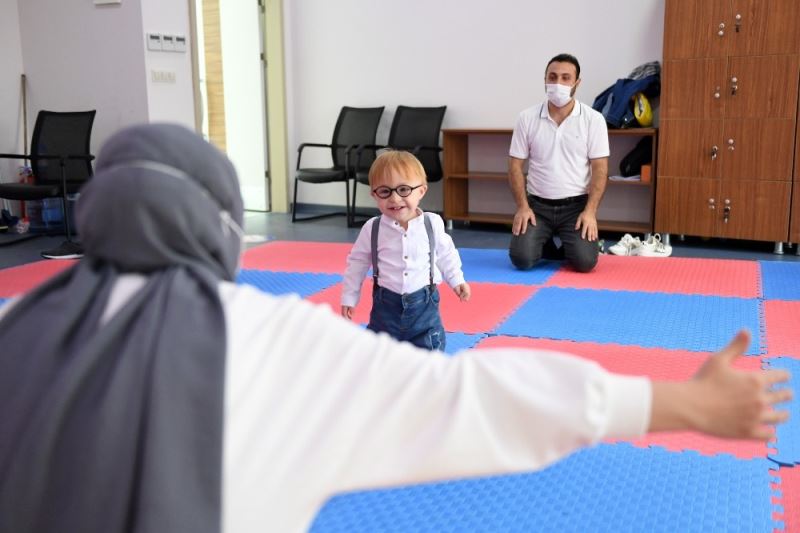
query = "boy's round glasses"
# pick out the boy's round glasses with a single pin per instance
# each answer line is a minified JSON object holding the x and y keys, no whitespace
{"x":402,"y":191}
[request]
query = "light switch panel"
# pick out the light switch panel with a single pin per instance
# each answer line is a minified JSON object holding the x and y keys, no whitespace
{"x":154,"y":41}
{"x":168,"y":43}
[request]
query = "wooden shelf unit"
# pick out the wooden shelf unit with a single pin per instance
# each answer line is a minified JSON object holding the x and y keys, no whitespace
{"x":457,"y":178}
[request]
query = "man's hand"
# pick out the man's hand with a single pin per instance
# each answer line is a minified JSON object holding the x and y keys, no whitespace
{"x":347,"y":312}
{"x":587,"y":223}
{"x":521,"y":219}
{"x":721,"y":400}
{"x":462,"y":291}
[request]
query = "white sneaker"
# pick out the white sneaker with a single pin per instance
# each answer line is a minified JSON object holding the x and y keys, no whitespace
{"x":626,"y":245}
{"x":653,"y":247}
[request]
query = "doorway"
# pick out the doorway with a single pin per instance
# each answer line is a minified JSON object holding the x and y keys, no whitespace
{"x":231,"y":90}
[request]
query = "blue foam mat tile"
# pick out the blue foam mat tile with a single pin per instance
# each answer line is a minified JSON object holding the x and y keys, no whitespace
{"x":493,"y":265}
{"x":780,"y":280}
{"x":655,"y":320}
{"x":288,"y":282}
{"x":607,"y":488}
{"x":786,"y":448}
{"x":461,"y":341}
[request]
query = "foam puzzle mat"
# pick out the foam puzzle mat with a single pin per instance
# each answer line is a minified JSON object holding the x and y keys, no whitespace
{"x":658,"y":317}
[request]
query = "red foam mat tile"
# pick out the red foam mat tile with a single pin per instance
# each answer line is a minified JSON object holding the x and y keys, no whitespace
{"x":21,"y":279}
{"x":790,"y":488}
{"x":667,"y":274}
{"x":656,"y":363}
{"x":489,"y":304}
{"x":781,"y":319}
{"x":285,"y":256}
{"x":332,"y":297}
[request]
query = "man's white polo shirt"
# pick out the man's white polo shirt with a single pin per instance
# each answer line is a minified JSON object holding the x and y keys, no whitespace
{"x":559,"y":156}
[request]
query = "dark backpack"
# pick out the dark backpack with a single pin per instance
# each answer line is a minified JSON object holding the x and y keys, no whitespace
{"x":642,"y":154}
{"x":615,"y":102}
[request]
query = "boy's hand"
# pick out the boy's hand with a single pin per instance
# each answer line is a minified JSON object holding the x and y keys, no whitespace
{"x":721,"y":400}
{"x":462,"y":291}
{"x":347,"y":312}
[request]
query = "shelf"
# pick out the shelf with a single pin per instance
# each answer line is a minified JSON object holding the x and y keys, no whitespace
{"x":634,"y":132}
{"x":624,"y":226}
{"x":479,"y":176}
{"x":629,"y":183}
{"x":457,"y":178}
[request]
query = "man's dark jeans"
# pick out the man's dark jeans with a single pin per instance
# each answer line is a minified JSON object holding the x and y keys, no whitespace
{"x":526,"y":248}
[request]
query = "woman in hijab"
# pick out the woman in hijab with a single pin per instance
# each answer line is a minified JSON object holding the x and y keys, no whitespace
{"x":143,"y":390}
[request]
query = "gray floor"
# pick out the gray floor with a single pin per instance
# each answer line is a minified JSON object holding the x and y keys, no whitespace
{"x":278,"y":226}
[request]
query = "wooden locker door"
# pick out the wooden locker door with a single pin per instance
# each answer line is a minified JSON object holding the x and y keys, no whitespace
{"x":686,"y":206}
{"x":759,"y":210}
{"x":685,"y":148}
{"x":762,"y":86}
{"x":794,"y":229}
{"x":692,"y":28}
{"x":759,"y":149}
{"x":693,"y":88}
{"x":765,"y":27}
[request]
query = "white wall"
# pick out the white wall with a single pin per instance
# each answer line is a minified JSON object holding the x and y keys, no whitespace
{"x":10,"y":93}
{"x":80,"y":56}
{"x":484,"y":60}
{"x":168,"y":101}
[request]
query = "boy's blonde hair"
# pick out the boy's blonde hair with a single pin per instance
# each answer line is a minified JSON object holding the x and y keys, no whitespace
{"x":395,"y":161}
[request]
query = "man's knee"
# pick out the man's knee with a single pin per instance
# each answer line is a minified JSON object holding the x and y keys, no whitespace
{"x":584,"y":262}
{"x":524,"y":261}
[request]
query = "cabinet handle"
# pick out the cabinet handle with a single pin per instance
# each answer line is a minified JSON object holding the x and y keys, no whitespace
{"x":726,"y":212}
{"x":721,"y":31}
{"x":734,"y":85}
{"x":712,"y":204}
{"x":731,"y":145}
{"x":738,"y":22}
{"x":714,"y":152}
{"x":717,"y":93}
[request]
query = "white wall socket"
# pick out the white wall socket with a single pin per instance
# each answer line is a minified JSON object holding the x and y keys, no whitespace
{"x":162,"y":76}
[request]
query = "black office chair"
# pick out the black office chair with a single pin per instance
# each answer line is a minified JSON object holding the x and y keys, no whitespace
{"x":60,"y":159}
{"x":355,"y":126}
{"x":415,"y":129}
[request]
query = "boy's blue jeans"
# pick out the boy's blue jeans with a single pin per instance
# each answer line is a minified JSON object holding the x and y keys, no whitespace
{"x":412,"y":317}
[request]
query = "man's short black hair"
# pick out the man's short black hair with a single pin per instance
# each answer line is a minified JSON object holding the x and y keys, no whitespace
{"x":566,"y":58}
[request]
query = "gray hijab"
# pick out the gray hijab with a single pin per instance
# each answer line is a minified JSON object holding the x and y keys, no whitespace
{"x":119,"y":427}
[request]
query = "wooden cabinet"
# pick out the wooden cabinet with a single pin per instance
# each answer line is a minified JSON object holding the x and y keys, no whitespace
{"x":728,"y":118}
{"x":459,"y":178}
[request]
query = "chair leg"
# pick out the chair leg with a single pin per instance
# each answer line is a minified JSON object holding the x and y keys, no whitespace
{"x":348,"y":211}
{"x":294,"y":201}
{"x":64,"y":207}
{"x":351,"y":220}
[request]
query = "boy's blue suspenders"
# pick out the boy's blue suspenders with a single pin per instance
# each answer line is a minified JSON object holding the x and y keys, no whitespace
{"x":376,"y":224}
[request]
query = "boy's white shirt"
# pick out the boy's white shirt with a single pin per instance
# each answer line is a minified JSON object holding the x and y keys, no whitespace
{"x":403,"y":258}
{"x":316,"y":405}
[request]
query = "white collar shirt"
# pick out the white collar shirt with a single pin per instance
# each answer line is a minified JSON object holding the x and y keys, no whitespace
{"x":559,"y":156}
{"x":403,"y":258}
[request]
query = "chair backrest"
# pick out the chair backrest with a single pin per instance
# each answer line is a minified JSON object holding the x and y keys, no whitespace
{"x":419,"y":126}
{"x":62,"y":133}
{"x":356,"y":125}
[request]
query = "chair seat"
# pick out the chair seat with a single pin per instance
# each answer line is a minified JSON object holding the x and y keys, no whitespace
{"x":362,"y":176}
{"x":26,"y":191}
{"x":321,"y":175}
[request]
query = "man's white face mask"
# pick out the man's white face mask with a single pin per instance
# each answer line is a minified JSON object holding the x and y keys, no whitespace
{"x":557,"y":94}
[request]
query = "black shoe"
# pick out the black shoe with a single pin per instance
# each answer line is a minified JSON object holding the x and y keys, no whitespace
{"x":67,"y":250}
